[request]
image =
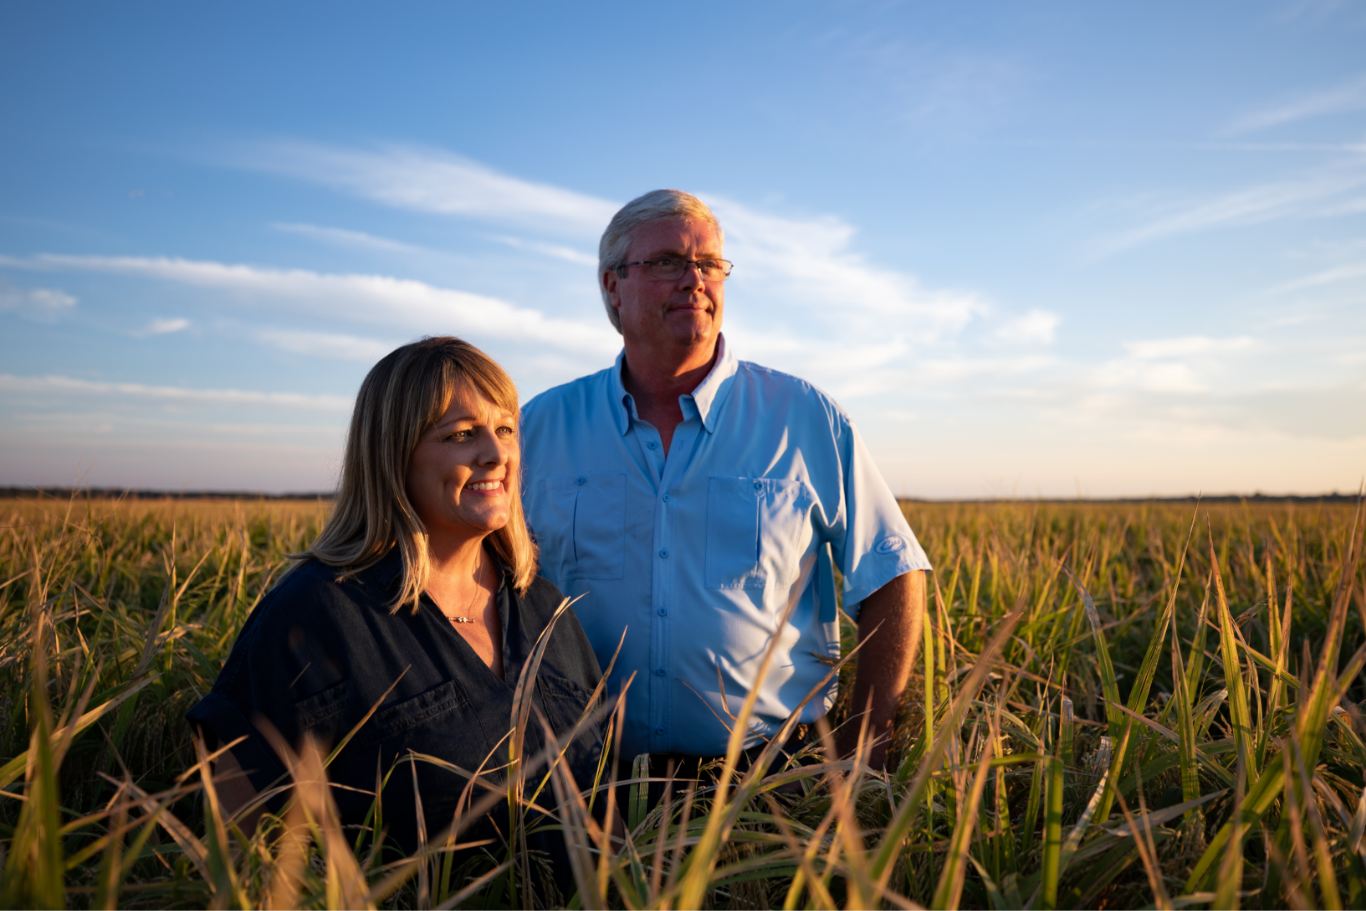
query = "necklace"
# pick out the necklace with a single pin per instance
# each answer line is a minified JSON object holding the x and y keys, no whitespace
{"x":477,"y":590}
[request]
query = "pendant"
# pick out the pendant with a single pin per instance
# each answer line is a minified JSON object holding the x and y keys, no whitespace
{"x":460,"y":619}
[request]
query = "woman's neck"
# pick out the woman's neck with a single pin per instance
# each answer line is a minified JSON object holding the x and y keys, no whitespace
{"x":456,"y":559}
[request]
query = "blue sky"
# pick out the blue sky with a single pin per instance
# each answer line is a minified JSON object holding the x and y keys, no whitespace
{"x":1035,"y":249}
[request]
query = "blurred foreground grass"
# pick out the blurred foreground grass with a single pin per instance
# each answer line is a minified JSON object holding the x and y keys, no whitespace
{"x":1120,"y":705}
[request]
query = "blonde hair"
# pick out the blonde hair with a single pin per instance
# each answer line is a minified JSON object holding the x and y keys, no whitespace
{"x":402,"y":397}
{"x":655,"y":205}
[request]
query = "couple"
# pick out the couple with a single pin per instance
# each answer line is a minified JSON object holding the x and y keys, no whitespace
{"x":690,"y":498}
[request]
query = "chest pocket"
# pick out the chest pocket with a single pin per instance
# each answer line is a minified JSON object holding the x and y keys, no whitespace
{"x":581,"y":525}
{"x":755,"y":531}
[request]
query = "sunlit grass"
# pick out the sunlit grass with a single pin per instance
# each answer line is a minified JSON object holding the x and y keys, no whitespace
{"x":1117,"y":705}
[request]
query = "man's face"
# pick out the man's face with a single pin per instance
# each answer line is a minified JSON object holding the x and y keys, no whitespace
{"x":685,"y":312}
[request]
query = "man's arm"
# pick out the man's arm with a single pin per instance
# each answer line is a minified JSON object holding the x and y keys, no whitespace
{"x":891,"y":623}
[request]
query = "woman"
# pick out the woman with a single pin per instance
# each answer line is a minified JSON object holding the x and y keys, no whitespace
{"x":423,"y":580}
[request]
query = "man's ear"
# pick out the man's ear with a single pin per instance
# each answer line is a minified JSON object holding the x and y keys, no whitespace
{"x":609,"y":284}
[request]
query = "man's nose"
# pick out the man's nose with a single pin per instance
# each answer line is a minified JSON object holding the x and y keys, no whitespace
{"x":692,"y":276}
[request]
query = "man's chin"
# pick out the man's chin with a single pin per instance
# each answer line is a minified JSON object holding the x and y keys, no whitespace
{"x":697,"y":329}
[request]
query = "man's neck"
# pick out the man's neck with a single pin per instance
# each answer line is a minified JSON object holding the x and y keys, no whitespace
{"x":656,"y":382}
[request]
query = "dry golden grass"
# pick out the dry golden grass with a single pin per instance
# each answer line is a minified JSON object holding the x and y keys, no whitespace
{"x":1120,"y":705}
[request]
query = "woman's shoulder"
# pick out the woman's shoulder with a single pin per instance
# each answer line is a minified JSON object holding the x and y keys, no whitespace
{"x":541,"y":600}
{"x":312,"y":591}
{"x":568,"y":642}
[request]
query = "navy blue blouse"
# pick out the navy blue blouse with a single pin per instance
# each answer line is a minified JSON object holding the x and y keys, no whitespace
{"x":317,"y":653}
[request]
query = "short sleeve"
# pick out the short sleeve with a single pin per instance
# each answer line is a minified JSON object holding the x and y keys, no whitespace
{"x":875,"y":543}
{"x":274,"y":677}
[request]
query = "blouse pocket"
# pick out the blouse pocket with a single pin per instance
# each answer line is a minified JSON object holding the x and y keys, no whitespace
{"x":391,"y":724}
{"x":581,"y":526}
{"x":754,"y":531}
{"x":565,"y":702}
{"x":321,"y":712}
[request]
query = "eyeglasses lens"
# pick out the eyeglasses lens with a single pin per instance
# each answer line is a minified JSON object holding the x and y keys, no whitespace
{"x":713,"y":270}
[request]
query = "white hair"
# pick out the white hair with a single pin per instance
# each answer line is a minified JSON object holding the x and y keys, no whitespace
{"x":657,"y":205}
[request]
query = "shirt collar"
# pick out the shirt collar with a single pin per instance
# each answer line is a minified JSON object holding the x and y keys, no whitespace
{"x":706,"y":398}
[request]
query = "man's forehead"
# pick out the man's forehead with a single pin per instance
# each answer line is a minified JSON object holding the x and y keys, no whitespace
{"x":678,"y":236}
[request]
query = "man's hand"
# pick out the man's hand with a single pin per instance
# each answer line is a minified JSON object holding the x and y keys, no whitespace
{"x":890,"y":625}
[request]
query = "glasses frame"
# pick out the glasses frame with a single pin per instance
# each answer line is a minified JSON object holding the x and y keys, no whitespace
{"x":620,"y":268}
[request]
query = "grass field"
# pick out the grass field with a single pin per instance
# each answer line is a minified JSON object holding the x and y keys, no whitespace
{"x":1119,"y":705}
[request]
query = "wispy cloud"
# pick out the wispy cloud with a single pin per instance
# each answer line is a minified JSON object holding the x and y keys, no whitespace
{"x":568,"y":254}
{"x":43,"y":305}
{"x":804,"y":299}
{"x":1339,"y":99}
{"x":325,"y":344}
{"x":1329,"y":191}
{"x":431,"y":180}
{"x":806,"y":271}
{"x":1037,"y":327}
{"x":341,"y":237}
{"x":163,"y":326}
{"x":1187,"y":345}
{"x":1317,"y":9}
{"x":1186,"y":364}
{"x":172,"y":394}
{"x":369,"y":299}
{"x":1325,"y":277}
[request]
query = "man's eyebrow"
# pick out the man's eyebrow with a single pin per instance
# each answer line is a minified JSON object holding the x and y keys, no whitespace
{"x":678,"y":254}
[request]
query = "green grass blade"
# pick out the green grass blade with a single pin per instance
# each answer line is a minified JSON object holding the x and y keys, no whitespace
{"x":1052,"y":834}
{"x":1239,"y":714}
{"x":950,"y":890}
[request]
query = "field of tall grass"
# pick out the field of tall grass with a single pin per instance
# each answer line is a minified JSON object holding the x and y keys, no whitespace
{"x":1117,"y":705}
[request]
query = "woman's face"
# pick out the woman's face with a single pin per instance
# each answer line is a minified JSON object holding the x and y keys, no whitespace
{"x":462,"y":476}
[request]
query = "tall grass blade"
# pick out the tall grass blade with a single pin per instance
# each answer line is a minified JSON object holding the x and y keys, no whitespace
{"x":1239,"y":714}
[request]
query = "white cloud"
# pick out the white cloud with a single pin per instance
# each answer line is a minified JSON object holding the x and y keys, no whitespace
{"x":323,"y":344}
{"x":164,"y":326}
{"x":341,"y":237}
{"x":1318,"y":279}
{"x":431,"y":180}
{"x":369,"y":299}
{"x":1187,"y":346}
{"x":1186,"y":364}
{"x":1037,"y":327}
{"x":1329,"y":191}
{"x":568,"y":254}
{"x":42,"y":305}
{"x":176,"y":394}
{"x":1342,"y":98}
{"x":808,"y":273}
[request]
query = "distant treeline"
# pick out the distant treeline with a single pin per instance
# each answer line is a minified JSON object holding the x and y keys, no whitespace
{"x":125,"y":493}
{"x":128,"y":493}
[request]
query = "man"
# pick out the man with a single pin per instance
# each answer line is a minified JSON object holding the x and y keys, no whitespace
{"x":691,"y":498}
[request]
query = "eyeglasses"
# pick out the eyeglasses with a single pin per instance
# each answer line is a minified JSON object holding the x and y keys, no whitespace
{"x":669,"y":268}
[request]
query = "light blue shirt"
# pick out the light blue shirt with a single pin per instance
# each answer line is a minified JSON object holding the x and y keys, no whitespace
{"x":696,"y":556}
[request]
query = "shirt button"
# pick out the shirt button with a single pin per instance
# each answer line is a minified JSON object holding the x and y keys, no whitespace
{"x":659,"y":731}
{"x":758,"y":485}
{"x":664,"y":554}
{"x":651,"y":445}
{"x":666,"y":498}
{"x":660,"y":672}
{"x":583,"y":480}
{"x":663,"y":612}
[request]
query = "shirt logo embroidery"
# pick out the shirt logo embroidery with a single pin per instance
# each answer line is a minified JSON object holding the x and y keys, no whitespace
{"x":890,"y":544}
